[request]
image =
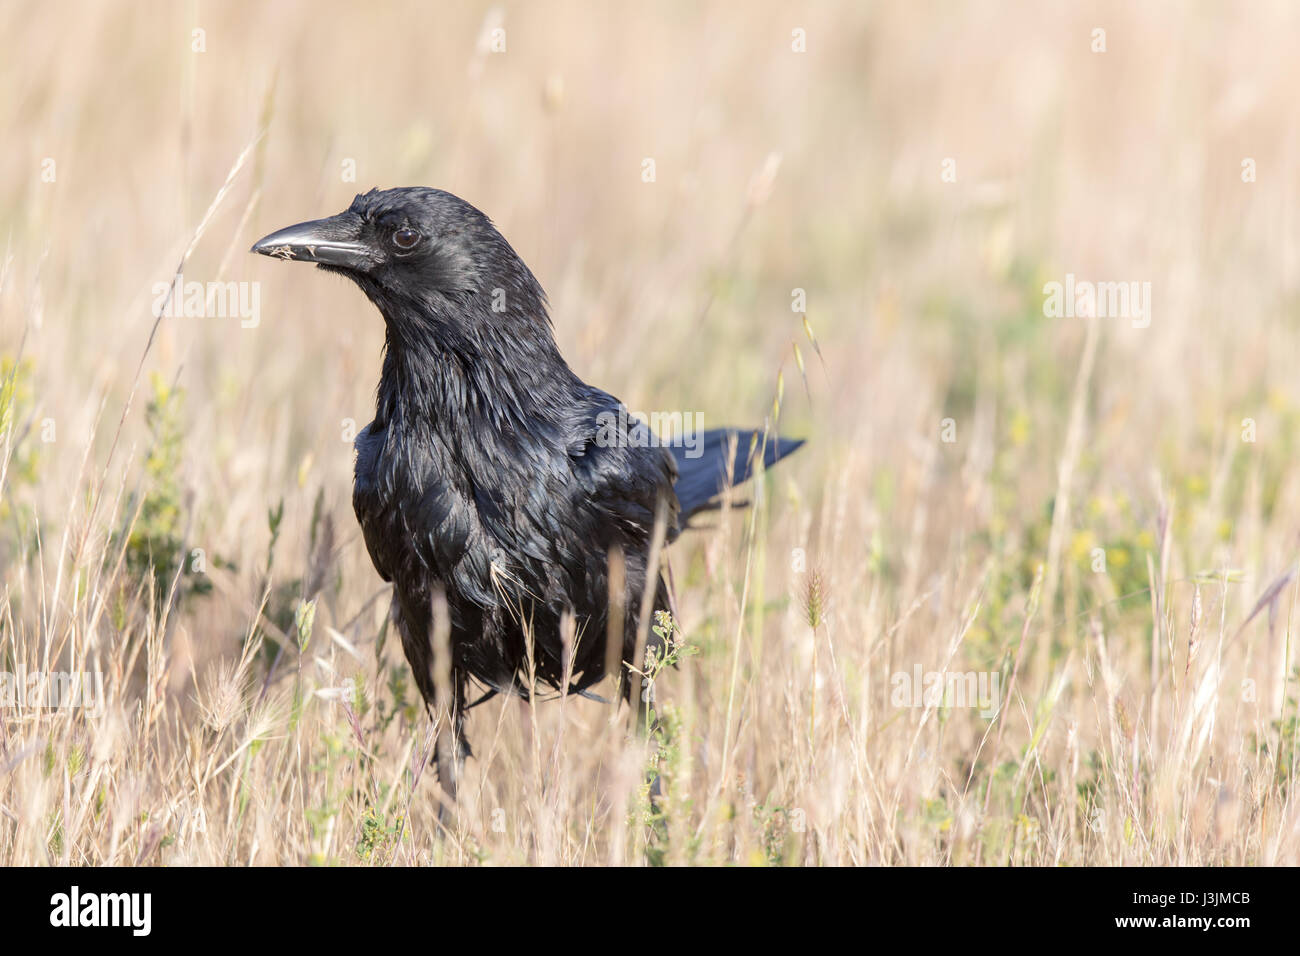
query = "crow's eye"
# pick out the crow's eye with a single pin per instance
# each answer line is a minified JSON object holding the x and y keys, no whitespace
{"x":405,"y":238}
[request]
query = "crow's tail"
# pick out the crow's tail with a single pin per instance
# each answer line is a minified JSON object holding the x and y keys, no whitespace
{"x":707,"y":469}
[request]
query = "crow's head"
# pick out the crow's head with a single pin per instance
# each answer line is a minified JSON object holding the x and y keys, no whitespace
{"x":430,"y":261}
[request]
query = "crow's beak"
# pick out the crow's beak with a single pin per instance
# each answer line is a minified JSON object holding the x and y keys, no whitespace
{"x":335,"y":241}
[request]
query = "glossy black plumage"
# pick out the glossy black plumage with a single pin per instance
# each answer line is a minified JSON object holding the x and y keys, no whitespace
{"x":485,"y":475}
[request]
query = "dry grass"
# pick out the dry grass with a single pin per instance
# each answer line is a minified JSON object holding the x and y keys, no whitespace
{"x":1147,"y":718}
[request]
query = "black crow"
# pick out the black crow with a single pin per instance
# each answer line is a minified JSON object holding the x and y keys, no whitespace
{"x":492,"y":474}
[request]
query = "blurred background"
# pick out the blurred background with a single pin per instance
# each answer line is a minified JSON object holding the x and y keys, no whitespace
{"x":683,"y":178}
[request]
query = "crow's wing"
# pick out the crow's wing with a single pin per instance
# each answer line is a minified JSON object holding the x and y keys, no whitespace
{"x":624,"y":475}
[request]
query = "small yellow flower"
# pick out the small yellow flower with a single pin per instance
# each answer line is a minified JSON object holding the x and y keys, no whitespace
{"x":1019,"y":428}
{"x":1081,"y":545}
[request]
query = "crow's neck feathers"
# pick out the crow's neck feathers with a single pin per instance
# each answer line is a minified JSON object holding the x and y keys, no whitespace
{"x":478,"y":359}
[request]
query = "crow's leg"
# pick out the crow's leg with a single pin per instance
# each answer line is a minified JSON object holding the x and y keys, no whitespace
{"x":452,"y":747}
